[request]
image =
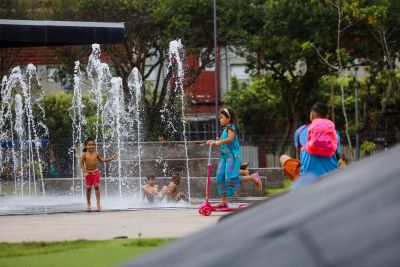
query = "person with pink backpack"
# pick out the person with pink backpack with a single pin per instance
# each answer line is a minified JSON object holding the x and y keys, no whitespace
{"x":317,"y":145}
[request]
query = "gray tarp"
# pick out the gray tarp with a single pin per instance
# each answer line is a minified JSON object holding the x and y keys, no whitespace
{"x":349,"y":218}
{"x":26,"y":33}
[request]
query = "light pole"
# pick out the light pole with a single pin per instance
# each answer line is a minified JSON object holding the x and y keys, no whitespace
{"x":215,"y":71}
{"x":356,"y":66}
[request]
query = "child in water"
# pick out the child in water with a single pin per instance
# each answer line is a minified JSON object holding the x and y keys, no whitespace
{"x":228,"y":172}
{"x":150,"y":190}
{"x":92,"y":174}
{"x":171,"y":193}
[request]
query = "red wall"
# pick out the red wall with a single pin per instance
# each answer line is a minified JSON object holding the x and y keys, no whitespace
{"x":202,"y":91}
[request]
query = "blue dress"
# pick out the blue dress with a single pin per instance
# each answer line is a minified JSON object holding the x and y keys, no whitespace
{"x":228,"y":177}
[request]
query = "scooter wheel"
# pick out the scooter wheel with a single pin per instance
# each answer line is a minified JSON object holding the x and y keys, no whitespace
{"x":206,"y":211}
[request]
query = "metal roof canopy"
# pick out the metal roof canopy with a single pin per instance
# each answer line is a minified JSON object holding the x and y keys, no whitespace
{"x":27,"y":33}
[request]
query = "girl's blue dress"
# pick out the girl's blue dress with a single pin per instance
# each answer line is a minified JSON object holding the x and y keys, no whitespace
{"x":228,"y":177}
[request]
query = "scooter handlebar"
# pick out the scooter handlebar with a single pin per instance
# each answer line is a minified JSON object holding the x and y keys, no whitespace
{"x":209,"y":154}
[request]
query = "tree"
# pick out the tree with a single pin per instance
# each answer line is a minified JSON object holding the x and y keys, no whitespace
{"x":150,"y":26}
{"x":382,"y":20}
{"x":343,"y":9}
{"x":10,"y":10}
{"x":274,"y":50}
{"x":259,"y":100}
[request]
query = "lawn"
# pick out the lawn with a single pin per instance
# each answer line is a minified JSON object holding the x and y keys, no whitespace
{"x":75,"y":253}
{"x":276,"y":191}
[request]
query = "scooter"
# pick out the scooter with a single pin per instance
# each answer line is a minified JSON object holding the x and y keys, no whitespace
{"x":206,"y":208}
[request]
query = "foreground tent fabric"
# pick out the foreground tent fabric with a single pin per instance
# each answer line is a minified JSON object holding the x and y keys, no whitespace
{"x":349,"y":218}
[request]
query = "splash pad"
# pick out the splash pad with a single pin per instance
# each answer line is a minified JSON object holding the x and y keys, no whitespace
{"x":118,"y":131}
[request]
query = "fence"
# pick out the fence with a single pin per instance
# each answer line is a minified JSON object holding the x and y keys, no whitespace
{"x":260,"y":151}
{"x":263,"y":151}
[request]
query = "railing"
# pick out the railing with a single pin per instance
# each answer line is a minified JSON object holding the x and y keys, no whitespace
{"x":258,"y":150}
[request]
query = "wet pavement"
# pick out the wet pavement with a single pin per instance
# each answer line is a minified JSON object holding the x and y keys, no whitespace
{"x":71,"y":222}
{"x":104,"y":225}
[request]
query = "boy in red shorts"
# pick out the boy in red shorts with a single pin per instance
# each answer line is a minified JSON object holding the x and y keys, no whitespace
{"x":92,"y":174}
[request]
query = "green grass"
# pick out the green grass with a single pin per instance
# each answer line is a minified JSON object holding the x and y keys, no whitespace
{"x":75,"y":253}
{"x":276,"y":191}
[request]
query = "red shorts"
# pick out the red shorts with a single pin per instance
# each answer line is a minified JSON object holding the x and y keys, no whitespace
{"x":93,"y":178}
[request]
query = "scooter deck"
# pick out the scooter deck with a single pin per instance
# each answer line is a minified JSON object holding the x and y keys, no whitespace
{"x":241,"y":206}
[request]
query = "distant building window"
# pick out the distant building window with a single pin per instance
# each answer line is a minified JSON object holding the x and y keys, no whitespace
{"x":240,"y":72}
{"x":68,"y":82}
{"x":51,"y":71}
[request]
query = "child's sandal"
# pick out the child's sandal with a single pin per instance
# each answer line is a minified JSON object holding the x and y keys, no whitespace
{"x":258,"y":181}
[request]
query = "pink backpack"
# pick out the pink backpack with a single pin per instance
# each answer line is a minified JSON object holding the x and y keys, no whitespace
{"x":321,"y":138}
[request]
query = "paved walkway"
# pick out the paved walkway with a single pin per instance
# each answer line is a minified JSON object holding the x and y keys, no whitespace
{"x":104,"y":225}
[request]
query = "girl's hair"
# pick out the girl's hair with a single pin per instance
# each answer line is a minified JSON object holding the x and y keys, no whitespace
{"x":86,"y":142}
{"x":231,"y":114}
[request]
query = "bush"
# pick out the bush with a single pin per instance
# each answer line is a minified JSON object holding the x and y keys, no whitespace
{"x":368,"y":147}
{"x":58,"y":121}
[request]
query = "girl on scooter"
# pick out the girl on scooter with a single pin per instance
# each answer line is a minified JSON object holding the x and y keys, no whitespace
{"x":228,"y":174}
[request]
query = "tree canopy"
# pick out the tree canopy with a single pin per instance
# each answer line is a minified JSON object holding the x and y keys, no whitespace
{"x":298,"y":52}
{"x":331,"y":39}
